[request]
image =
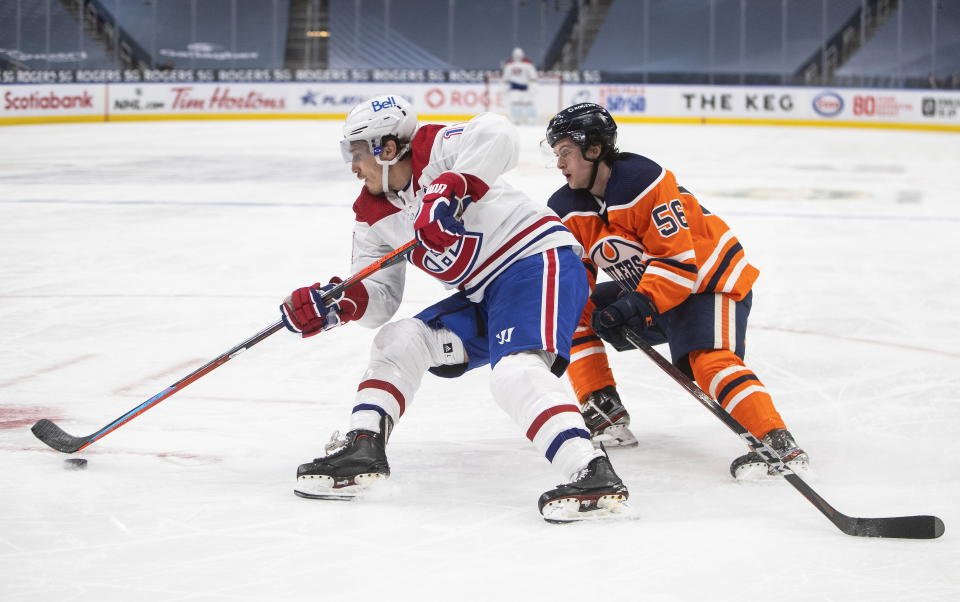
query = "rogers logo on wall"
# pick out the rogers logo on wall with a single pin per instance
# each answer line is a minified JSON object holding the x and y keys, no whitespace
{"x":828,"y":104}
{"x":49,"y":102}
{"x":437,"y":98}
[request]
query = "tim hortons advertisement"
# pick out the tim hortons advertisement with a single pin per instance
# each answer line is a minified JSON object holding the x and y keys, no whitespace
{"x":51,"y":101}
{"x":192,"y":98}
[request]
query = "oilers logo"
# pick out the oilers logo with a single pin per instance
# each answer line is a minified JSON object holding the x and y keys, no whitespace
{"x":454,"y":264}
{"x":620,"y":258}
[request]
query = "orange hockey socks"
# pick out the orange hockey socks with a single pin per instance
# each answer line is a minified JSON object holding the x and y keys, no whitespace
{"x":589,"y":369}
{"x":728,"y":380}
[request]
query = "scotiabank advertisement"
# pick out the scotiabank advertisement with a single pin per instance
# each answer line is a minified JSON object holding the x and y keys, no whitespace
{"x":52,"y":101}
{"x":920,"y":109}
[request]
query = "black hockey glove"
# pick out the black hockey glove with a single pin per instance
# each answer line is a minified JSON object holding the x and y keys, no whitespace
{"x":632,"y":310}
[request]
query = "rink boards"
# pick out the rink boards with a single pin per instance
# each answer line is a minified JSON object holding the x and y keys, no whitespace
{"x":25,"y":103}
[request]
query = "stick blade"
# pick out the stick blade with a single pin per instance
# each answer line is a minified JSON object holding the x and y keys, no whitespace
{"x":56,"y":437}
{"x":903,"y":527}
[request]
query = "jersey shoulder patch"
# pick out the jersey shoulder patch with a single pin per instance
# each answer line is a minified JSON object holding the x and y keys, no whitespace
{"x":630,"y":177}
{"x":566,"y":200}
{"x":372,"y":208}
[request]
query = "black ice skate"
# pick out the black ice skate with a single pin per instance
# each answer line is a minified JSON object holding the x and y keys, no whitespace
{"x":751,"y":467}
{"x":353,"y":464}
{"x":607,"y":419}
{"x":596,"y":492}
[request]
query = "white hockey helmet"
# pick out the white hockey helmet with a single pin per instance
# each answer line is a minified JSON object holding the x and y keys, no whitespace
{"x":518,"y":54}
{"x":374,"y":120}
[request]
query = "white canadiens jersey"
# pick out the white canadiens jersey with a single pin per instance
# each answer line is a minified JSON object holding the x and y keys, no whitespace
{"x":502,"y":227}
{"x":518,"y":75}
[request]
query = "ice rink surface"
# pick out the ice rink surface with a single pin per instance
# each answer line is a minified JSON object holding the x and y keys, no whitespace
{"x":130,"y":254}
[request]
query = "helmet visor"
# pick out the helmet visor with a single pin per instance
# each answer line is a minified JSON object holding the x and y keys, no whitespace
{"x":547,"y":156}
{"x":550,"y":154}
{"x":357,"y":150}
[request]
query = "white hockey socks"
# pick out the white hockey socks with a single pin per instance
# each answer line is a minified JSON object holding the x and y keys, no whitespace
{"x":534,"y":398}
{"x":402,"y":351}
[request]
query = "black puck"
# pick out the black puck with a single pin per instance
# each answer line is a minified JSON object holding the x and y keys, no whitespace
{"x":75,"y":464}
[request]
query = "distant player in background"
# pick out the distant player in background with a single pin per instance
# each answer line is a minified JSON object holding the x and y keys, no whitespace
{"x":519,"y":79}
{"x":679,"y":276}
{"x":520,"y":291}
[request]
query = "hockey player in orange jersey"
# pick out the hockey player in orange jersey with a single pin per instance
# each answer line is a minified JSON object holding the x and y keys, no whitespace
{"x":679,"y":275}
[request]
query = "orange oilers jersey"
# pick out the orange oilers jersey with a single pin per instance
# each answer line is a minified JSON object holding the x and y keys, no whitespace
{"x":651,"y":235}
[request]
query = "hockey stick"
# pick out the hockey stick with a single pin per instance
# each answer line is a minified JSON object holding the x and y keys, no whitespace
{"x":60,"y":440}
{"x":907,"y":527}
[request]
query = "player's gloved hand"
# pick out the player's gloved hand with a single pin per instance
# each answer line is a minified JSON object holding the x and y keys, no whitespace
{"x":438,"y":224}
{"x":631,"y":310}
{"x":304,"y":311}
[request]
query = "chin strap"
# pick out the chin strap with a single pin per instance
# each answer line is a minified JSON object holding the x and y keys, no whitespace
{"x":596,"y":163}
{"x":593,"y":174}
{"x":385,"y":166}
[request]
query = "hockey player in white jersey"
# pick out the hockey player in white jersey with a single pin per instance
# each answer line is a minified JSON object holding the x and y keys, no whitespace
{"x":520,"y":287}
{"x":519,"y":79}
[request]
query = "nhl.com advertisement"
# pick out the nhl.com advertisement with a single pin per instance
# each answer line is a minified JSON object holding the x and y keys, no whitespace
{"x":123,"y":101}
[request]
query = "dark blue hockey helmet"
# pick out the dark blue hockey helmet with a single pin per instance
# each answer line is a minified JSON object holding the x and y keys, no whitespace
{"x":586,"y":124}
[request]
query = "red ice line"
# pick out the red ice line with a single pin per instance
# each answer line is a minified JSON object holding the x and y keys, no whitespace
{"x":35,"y":373}
{"x":247,"y":399}
{"x":171,"y":370}
{"x":208,"y":458}
{"x":127,"y":390}
{"x":14,"y":417}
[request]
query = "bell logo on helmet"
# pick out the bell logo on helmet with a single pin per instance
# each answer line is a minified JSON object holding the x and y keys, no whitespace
{"x":372,"y":120}
{"x":379,"y":105}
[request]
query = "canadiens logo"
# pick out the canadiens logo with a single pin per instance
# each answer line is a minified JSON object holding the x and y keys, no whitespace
{"x":620,"y":258}
{"x":454,"y":264}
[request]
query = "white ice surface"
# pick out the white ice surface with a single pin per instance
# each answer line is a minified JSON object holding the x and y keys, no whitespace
{"x":130,"y":254}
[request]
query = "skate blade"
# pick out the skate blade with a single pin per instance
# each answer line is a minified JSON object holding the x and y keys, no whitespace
{"x":573,"y":510}
{"x":321,"y":487}
{"x":759,"y":472}
{"x":608,"y":442}
{"x":617,"y":435}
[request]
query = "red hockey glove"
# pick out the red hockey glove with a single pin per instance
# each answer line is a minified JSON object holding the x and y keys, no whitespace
{"x":304,"y":311}
{"x":439,"y":224}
